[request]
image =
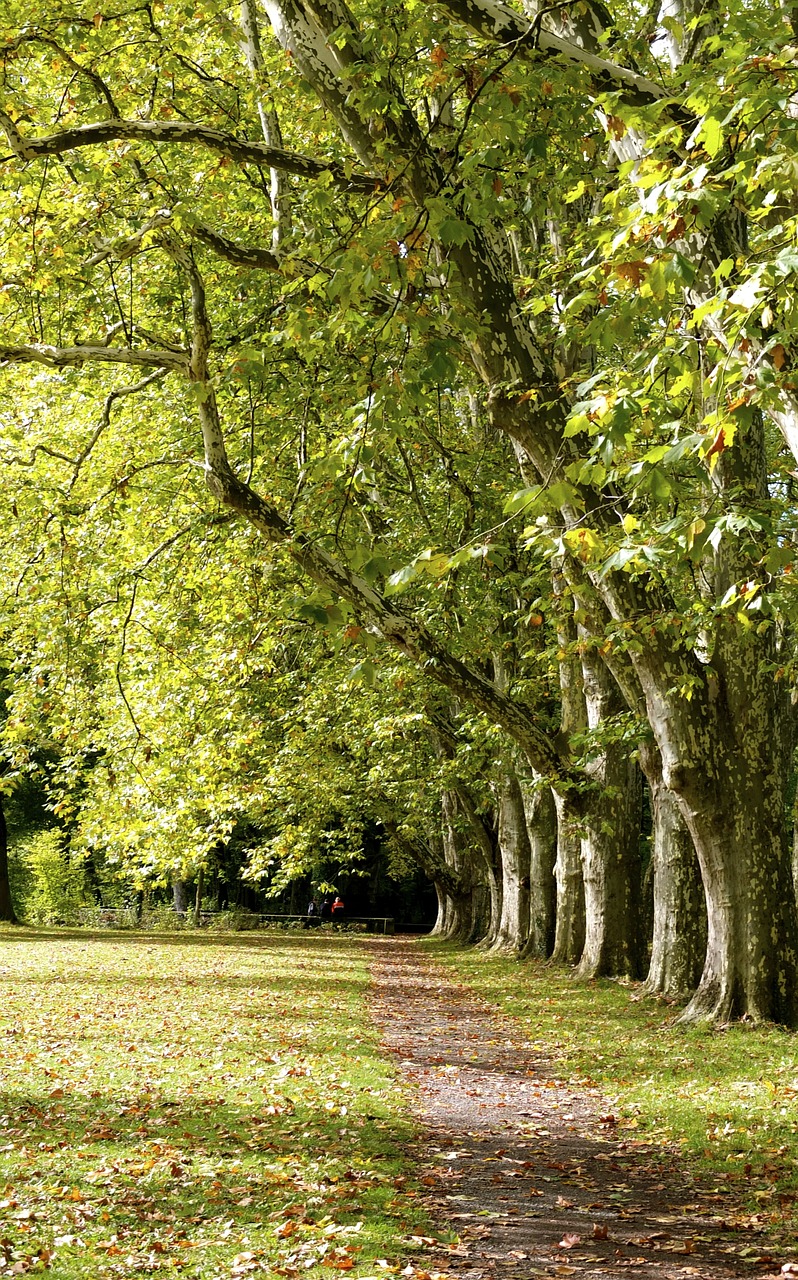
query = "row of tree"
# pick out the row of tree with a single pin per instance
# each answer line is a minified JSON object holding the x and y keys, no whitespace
{"x":477,"y":323}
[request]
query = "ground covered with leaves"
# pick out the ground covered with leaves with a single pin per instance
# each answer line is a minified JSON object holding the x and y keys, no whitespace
{"x":219,"y":1107}
{"x":544,"y":1173}
{"x":215,"y":1107}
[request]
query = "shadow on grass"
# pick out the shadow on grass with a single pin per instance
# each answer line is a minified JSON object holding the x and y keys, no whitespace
{"x":726,"y":1095}
{"x":133,"y":1167}
{"x":218,"y":1125}
{"x":261,"y":940}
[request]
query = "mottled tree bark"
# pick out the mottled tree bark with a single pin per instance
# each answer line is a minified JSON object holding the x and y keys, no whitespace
{"x":487,"y":857}
{"x":541,"y":821}
{"x":679,"y":942}
{"x":569,"y":938}
{"x":515,"y":857}
{"x":610,"y":841}
{"x":180,"y":896}
{"x":461,"y":917}
{"x":725,"y":754}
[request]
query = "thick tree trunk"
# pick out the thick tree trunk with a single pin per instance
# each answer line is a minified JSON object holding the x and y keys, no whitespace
{"x":441,"y":925}
{"x":737,"y":823}
{"x":461,"y":917}
{"x":679,"y":942}
{"x":726,"y":754}
{"x":493,"y":907}
{"x":541,"y":821}
{"x":480,"y":909}
{"x":486,"y":854}
{"x":515,"y":855}
{"x":7,"y":914}
{"x":610,"y":841}
{"x":569,"y":937}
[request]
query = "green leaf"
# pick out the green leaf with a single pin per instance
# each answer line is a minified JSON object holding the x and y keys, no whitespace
{"x":454,"y":231}
{"x":522,"y":500}
{"x":712,"y":135}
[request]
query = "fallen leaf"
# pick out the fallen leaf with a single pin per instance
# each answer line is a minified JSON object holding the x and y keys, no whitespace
{"x":569,"y":1240}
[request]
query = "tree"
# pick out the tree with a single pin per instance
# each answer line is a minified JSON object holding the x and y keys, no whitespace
{"x":6,"y":905}
{"x":625,"y":340}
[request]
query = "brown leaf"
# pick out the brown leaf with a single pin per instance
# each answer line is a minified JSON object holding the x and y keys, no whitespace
{"x":677,"y":231}
{"x":718,"y":444}
{"x":632,"y":271}
{"x":569,"y":1240}
{"x":600,"y":1231}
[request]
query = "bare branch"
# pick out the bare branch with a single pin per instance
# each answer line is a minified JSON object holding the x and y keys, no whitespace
{"x":179,"y":133}
{"x":66,"y":357}
{"x":241,"y":255}
{"x":269,"y":120}
{"x":105,"y":419}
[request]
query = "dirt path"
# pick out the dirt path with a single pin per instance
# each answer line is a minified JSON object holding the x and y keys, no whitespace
{"x":531,"y":1174}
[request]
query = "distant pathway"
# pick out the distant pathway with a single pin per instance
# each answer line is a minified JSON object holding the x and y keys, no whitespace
{"x":528,"y":1172}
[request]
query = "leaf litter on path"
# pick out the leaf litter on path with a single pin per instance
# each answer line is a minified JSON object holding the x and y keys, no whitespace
{"x":532,"y":1174}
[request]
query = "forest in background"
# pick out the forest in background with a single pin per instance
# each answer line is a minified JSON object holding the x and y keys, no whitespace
{"x":398,"y":440}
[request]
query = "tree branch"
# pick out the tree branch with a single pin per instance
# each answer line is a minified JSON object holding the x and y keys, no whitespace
{"x":179,"y":133}
{"x":66,"y":357}
{"x":500,"y":24}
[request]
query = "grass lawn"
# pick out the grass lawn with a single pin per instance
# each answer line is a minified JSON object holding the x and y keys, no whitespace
{"x":211,"y":1106}
{"x":728,"y":1098}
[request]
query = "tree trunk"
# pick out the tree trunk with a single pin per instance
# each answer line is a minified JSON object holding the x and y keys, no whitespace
{"x":459,"y":919}
{"x":726,"y":754}
{"x":487,"y":858}
{"x":198,"y":898}
{"x":7,"y":914}
{"x":569,"y":936}
{"x":480,"y":912}
{"x":515,"y":854}
{"x":484,"y":869}
{"x":610,"y":841}
{"x":679,"y":943}
{"x":736,"y":819}
{"x":180,"y":896}
{"x":541,"y":821}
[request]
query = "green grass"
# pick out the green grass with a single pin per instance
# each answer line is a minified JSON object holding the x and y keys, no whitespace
{"x":728,"y":1098}
{"x":212,"y":1107}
